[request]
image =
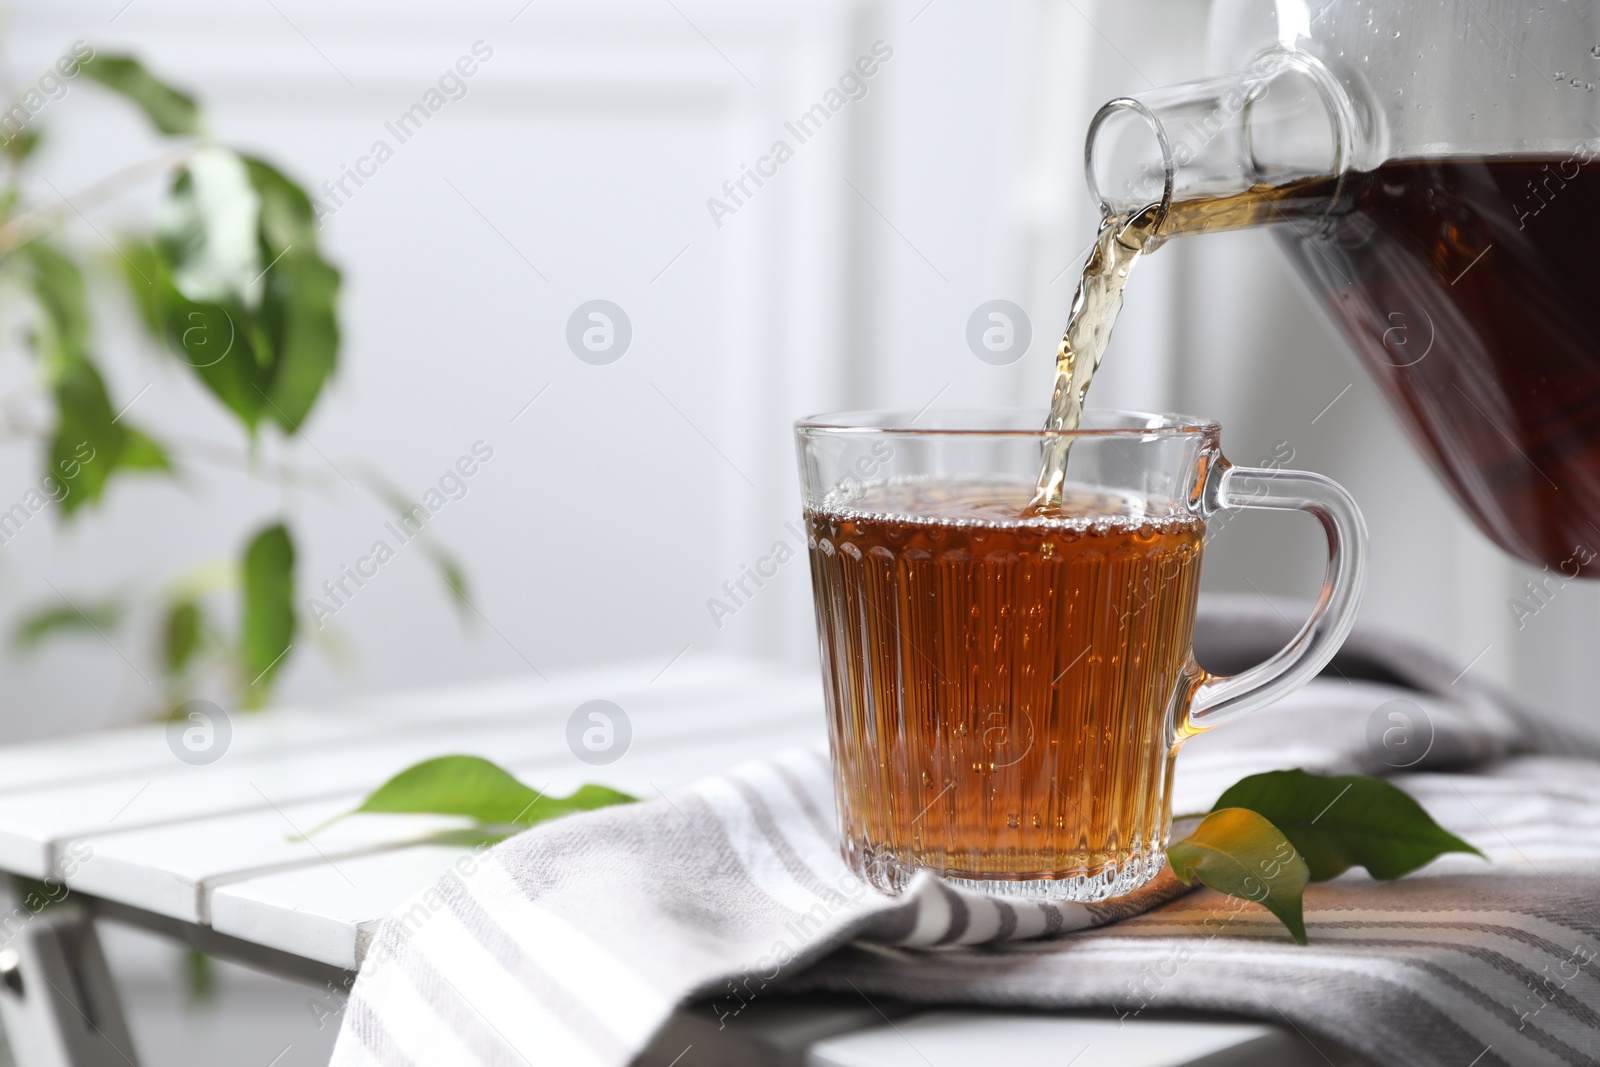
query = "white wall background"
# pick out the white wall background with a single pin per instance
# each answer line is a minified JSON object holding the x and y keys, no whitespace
{"x":578,"y":167}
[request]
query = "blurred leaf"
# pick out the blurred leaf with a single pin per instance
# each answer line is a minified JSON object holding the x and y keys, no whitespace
{"x":209,"y":226}
{"x":182,"y":633}
{"x":287,"y":219}
{"x":478,"y":789}
{"x":170,"y":110}
{"x":217,"y":342}
{"x":300,"y":317}
{"x":36,"y":895}
{"x":199,"y":978}
{"x":141,"y":266}
{"x":299,"y":309}
{"x":1337,"y":821}
{"x":454,"y":575}
{"x":221,"y":345}
{"x":86,"y":443}
{"x":56,"y":620}
{"x":57,"y":285}
{"x":1237,"y":852}
{"x":141,"y":453}
{"x":263,"y":343}
{"x":268,"y":625}
{"x":22,"y":144}
{"x":455,"y":578}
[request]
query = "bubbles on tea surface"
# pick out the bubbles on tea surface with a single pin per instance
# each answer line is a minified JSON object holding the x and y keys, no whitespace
{"x":992,"y":503}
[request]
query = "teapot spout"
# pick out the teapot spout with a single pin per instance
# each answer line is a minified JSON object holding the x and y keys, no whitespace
{"x":1268,"y":144}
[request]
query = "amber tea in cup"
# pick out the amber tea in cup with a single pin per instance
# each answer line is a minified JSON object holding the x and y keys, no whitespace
{"x":1007,"y":689}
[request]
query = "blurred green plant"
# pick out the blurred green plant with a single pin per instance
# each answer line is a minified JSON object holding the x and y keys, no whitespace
{"x":232,"y":285}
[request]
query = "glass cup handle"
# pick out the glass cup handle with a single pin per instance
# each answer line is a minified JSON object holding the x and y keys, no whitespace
{"x":1218,"y":699}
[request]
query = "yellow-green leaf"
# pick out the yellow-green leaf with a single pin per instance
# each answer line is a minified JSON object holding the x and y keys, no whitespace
{"x":1238,"y":852}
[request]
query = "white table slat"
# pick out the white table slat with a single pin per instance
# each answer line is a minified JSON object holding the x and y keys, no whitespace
{"x":326,"y":912}
{"x":34,"y":824}
{"x":160,"y":868}
{"x":129,"y":751}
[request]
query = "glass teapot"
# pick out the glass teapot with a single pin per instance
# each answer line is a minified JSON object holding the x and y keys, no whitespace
{"x":1430,"y":168}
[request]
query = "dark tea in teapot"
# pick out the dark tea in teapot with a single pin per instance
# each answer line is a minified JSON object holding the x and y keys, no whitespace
{"x":1470,"y":290}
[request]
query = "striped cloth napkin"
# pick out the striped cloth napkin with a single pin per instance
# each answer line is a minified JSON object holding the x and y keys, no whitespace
{"x":574,"y":942}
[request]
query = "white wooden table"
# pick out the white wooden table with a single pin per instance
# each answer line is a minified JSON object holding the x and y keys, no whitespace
{"x":211,"y":854}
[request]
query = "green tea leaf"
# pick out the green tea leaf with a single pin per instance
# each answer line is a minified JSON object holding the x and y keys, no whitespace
{"x":169,"y":110}
{"x":85,"y":618}
{"x":1339,"y":821}
{"x":475,"y":787}
{"x":1236,"y":851}
{"x":268,"y":626}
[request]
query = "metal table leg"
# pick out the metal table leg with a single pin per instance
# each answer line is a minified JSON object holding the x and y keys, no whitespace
{"x":57,"y":1003}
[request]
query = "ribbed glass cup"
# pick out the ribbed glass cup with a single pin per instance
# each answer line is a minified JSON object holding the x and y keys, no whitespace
{"x":1006,"y":693}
